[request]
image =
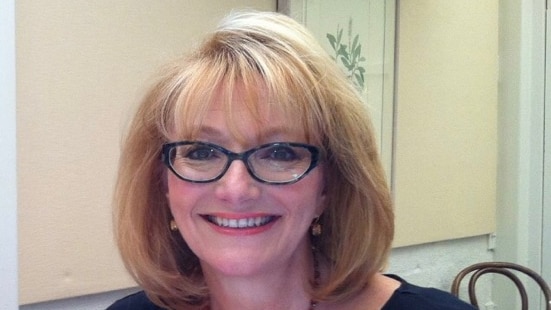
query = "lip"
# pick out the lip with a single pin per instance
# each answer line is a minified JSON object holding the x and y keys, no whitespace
{"x":242,"y":224}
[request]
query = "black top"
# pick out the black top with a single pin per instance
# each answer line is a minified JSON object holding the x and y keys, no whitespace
{"x":412,"y":297}
{"x":407,"y":296}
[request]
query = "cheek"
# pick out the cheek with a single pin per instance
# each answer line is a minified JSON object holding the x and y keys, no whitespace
{"x":178,"y":193}
{"x":311,"y":191}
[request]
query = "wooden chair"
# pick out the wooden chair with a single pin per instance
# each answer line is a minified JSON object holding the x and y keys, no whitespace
{"x":506,"y":270}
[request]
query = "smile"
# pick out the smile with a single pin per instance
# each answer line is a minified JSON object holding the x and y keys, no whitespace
{"x":251,"y":222}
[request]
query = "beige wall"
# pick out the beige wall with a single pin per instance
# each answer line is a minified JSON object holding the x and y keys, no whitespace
{"x":80,"y":66}
{"x":446,"y":120}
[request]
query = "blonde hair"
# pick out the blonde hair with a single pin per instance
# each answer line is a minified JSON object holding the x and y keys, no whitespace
{"x":271,"y":55}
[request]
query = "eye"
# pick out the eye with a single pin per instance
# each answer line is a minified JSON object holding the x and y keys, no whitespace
{"x":199,"y":152}
{"x":279,"y":153}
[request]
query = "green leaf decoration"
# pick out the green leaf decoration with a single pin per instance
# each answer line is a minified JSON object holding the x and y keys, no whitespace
{"x":349,"y":55}
{"x":332,"y":40}
{"x":355,"y":44}
{"x":359,"y":78}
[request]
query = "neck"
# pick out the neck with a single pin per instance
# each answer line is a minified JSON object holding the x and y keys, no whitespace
{"x":279,"y":300}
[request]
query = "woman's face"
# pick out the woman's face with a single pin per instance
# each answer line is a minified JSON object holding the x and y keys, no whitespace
{"x":284,"y":212}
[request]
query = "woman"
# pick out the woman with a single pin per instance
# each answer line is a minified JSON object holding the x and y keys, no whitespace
{"x":250,"y":179}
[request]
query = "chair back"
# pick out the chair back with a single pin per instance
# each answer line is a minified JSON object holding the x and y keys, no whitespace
{"x":505,"y":269}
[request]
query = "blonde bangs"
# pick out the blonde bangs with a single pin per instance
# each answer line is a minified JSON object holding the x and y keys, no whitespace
{"x":256,"y":78}
{"x":291,"y":91}
{"x":189,"y":100}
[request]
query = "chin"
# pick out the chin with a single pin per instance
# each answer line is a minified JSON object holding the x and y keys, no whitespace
{"x":234,"y":267}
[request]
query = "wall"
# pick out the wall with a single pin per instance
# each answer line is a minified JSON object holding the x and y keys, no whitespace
{"x":522,"y":166}
{"x":436,"y":264}
{"x":446,"y":120}
{"x":546,"y":210}
{"x":80,"y":66}
{"x":8,"y":177}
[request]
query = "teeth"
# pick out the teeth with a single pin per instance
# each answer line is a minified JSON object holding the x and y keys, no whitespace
{"x":240,"y":223}
{"x":243,"y":223}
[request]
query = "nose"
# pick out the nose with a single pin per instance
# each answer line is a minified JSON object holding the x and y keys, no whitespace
{"x":237,"y":185}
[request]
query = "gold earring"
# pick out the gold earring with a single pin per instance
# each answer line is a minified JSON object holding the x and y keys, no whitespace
{"x":315,"y":229}
{"x":173,"y":225}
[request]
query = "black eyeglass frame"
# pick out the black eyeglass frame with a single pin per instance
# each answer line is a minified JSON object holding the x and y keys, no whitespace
{"x":243,"y":156}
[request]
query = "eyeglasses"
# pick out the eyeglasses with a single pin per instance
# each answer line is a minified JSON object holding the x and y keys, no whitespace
{"x":273,"y":163}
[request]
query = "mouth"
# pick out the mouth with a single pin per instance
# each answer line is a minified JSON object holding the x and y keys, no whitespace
{"x":241,"y":223}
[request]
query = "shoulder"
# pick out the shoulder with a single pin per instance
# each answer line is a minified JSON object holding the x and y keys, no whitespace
{"x":136,"y":301}
{"x":412,"y":297}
